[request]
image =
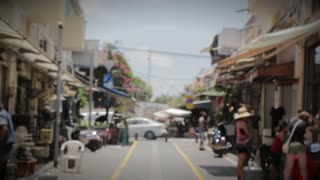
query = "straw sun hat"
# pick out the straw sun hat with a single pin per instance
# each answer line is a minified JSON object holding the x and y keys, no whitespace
{"x":243,"y":112}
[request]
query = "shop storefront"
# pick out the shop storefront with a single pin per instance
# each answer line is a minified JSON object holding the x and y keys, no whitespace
{"x":312,"y":75}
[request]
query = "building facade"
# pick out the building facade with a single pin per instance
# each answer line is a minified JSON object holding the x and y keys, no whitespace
{"x":29,"y":58}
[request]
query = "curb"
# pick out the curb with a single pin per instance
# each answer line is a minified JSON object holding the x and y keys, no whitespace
{"x":42,"y":170}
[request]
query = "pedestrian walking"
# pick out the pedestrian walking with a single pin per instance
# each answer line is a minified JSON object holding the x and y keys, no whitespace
{"x":123,"y":133}
{"x":295,"y":143}
{"x":243,"y":139}
{"x":7,"y":139}
{"x":276,"y":150}
{"x":111,"y":134}
{"x":202,"y":122}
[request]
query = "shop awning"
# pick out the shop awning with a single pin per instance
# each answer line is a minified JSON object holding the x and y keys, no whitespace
{"x":7,"y":32}
{"x":213,"y":93}
{"x":172,"y":112}
{"x":33,"y":57}
{"x":227,"y":77}
{"x":178,"y":112}
{"x":21,"y":44}
{"x":242,"y":55}
{"x":110,"y":91}
{"x":209,"y":71}
{"x":204,"y":104}
{"x":281,"y":39}
{"x":11,"y":38}
{"x":278,"y":71}
{"x":49,"y":67}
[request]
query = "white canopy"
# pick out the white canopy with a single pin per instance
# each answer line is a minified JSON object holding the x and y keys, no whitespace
{"x":265,"y":42}
{"x":275,"y":38}
{"x":172,"y":112}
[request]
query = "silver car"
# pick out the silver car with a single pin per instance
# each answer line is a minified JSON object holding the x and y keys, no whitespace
{"x":145,"y":127}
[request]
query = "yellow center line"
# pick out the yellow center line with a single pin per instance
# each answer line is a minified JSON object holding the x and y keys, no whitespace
{"x":189,"y":162}
{"x":124,"y":161}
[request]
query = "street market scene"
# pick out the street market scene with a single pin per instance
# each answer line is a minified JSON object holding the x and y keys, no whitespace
{"x":159,"y":89}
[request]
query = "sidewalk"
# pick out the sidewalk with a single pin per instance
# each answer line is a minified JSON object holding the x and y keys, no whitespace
{"x":39,"y":171}
{"x":104,"y":160}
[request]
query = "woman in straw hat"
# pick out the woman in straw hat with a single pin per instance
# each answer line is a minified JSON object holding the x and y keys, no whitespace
{"x":243,"y":138}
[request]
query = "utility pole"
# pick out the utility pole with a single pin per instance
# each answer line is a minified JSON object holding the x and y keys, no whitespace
{"x":90,"y":90}
{"x":59,"y":94}
{"x":149,"y":79}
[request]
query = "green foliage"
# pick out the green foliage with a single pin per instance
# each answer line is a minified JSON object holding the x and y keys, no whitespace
{"x":164,"y":99}
{"x":101,"y":125}
{"x":84,"y":123}
{"x":83,"y":98}
{"x":123,"y":79}
{"x":77,"y":120}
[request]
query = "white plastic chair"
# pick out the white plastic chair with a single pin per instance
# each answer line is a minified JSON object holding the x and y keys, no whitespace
{"x":71,"y":161}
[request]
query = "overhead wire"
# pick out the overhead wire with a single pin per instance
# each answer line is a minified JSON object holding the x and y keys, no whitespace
{"x":162,"y":52}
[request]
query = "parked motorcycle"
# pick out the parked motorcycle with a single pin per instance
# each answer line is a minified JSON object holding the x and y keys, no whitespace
{"x":219,"y":143}
{"x":89,"y":138}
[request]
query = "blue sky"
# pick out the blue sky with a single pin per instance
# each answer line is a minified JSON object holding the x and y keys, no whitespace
{"x":184,"y":26}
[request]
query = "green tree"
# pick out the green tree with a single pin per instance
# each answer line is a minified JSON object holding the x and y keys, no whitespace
{"x":164,"y":99}
{"x":178,"y":100}
{"x":81,"y":101}
{"x":141,"y":91}
{"x":123,"y":80}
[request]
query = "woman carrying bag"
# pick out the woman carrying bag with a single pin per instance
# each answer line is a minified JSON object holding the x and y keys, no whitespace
{"x":294,"y":146}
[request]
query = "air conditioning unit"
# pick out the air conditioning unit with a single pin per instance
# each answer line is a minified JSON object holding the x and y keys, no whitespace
{"x":229,"y":41}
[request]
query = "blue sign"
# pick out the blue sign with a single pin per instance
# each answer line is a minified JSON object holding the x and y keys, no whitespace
{"x":108,"y":80}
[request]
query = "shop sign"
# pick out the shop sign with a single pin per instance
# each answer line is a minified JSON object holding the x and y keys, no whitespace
{"x":189,"y":106}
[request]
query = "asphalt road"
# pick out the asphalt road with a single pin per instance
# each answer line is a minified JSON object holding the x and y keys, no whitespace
{"x":177,"y":159}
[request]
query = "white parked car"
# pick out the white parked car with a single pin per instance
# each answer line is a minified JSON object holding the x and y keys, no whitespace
{"x":145,"y":127}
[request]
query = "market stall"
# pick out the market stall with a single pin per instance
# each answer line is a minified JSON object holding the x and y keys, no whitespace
{"x":175,"y":120}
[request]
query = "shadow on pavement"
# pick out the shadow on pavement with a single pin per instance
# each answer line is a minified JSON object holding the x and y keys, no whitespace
{"x":220,"y":171}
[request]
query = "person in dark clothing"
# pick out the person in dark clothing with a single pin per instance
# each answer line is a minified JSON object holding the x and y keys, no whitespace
{"x":222,"y":129}
{"x":276,"y":148}
{"x":255,"y":128}
{"x":276,"y":115}
{"x":7,"y":139}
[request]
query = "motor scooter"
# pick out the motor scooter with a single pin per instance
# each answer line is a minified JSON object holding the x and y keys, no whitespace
{"x":219,"y":143}
{"x":89,"y":138}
